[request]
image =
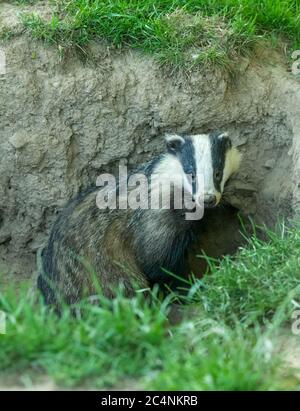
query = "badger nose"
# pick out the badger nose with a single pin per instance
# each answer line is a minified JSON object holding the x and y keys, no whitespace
{"x":210,"y":200}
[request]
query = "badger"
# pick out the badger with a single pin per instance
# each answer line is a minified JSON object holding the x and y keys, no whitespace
{"x":89,"y":247}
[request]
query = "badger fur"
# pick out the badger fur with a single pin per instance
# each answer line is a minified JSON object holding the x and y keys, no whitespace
{"x":134,"y":248}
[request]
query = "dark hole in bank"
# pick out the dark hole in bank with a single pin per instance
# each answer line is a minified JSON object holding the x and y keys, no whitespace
{"x":219,"y":235}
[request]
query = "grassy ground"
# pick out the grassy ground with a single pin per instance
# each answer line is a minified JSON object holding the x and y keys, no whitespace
{"x":187,"y":32}
{"x":228,"y":339}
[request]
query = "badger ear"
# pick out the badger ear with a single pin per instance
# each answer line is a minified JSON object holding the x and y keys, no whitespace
{"x":174,"y":143}
{"x":226,"y":139}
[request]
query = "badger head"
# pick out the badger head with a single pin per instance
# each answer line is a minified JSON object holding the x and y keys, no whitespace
{"x":210,"y":156}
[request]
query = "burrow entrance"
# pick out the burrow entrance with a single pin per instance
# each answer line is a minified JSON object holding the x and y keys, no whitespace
{"x":219,"y":234}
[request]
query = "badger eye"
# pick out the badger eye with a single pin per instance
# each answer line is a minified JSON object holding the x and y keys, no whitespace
{"x":191,"y":173}
{"x":217,"y":175}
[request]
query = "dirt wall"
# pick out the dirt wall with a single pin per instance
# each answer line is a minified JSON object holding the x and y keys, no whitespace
{"x":65,"y":120}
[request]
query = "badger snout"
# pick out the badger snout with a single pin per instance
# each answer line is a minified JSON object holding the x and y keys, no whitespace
{"x":210,"y":200}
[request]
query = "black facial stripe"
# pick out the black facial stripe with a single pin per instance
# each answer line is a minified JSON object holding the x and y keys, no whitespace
{"x":187,"y":156}
{"x":219,"y":147}
{"x":187,"y":159}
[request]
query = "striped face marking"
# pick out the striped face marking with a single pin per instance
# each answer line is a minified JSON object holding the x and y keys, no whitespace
{"x":210,"y":156}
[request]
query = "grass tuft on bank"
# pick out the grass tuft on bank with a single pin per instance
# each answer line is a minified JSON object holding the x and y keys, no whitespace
{"x":180,"y":32}
{"x":258,"y":283}
{"x":228,"y":339}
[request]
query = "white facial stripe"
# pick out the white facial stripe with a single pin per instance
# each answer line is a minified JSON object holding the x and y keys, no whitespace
{"x":168,"y":170}
{"x":168,"y":166}
{"x":204,"y":162}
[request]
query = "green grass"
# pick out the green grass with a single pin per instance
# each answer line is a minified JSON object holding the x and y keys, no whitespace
{"x":181,"y":32}
{"x":252,"y":285}
{"x":226,"y":341}
{"x":6,"y":33}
